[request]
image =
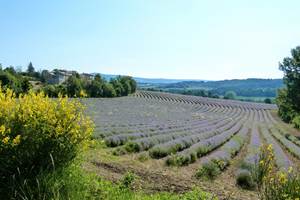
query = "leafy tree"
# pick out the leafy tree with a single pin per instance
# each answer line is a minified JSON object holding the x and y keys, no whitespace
{"x":108,"y":90}
{"x":230,"y":95}
{"x":288,"y":99}
{"x":119,"y":89}
{"x":98,"y":78}
{"x":129,"y":85}
{"x":25,"y":85}
{"x":9,"y":80}
{"x":95,"y":89}
{"x":11,"y":70}
{"x":268,"y":100}
{"x":291,"y":69}
{"x":50,"y":91}
{"x":74,"y":86}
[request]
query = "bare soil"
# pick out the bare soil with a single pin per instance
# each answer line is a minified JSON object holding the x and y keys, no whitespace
{"x":154,"y":176}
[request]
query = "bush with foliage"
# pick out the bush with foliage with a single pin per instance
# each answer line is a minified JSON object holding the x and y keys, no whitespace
{"x":10,"y":79}
{"x":276,"y":184}
{"x":268,"y":101}
{"x":230,"y":95}
{"x":208,"y":170}
{"x":272,"y":183}
{"x":296,"y":121}
{"x":288,"y":99}
{"x":37,"y":134}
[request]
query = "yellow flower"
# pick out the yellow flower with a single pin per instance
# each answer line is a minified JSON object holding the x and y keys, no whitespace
{"x":17,"y":140}
{"x":290,"y":170}
{"x":2,"y":129}
{"x":5,"y":140}
{"x":261,"y":162}
{"x":82,"y":93}
{"x":270,"y":147}
{"x":282,"y":178}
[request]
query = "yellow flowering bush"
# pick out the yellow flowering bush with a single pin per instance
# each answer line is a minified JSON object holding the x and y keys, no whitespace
{"x":274,"y":184}
{"x":266,"y":163}
{"x":38,"y":133}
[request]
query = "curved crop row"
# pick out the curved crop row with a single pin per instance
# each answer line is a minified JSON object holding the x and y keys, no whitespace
{"x":203,"y":147}
{"x":205,"y":100}
{"x":244,"y":174}
{"x":120,"y":139}
{"x":180,"y":144}
{"x":147,"y":143}
{"x":282,"y":161}
{"x":220,"y":159}
{"x":290,"y":146}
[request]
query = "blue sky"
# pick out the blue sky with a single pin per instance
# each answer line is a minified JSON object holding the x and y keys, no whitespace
{"x":212,"y":40}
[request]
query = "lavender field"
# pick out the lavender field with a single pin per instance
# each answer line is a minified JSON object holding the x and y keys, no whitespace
{"x":183,"y":130}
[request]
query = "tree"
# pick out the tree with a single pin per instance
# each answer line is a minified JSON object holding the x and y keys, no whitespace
{"x":129,"y":85}
{"x":11,"y":70}
{"x":98,"y":78}
{"x":108,"y":90}
{"x":25,"y":85}
{"x":30,"y":69}
{"x":95,"y":87}
{"x":118,"y":87}
{"x":291,"y":69}
{"x":268,"y":100}
{"x":285,"y":110}
{"x":230,"y":95}
{"x":288,"y":99}
{"x":9,"y":80}
{"x":74,"y":86}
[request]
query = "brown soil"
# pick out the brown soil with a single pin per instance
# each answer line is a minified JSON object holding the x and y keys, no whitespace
{"x":154,"y":176}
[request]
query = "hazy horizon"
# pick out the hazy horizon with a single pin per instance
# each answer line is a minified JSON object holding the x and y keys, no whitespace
{"x":208,"y":40}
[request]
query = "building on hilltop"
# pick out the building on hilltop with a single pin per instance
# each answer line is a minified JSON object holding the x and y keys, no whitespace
{"x":59,"y":76}
{"x":87,"y":76}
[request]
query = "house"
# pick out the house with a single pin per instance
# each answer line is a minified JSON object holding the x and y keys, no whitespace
{"x":86,"y":76}
{"x":59,"y":76}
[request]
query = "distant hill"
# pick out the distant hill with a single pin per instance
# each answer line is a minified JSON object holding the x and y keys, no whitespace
{"x":149,"y":80}
{"x":242,"y":87}
{"x":249,"y":83}
{"x":251,"y":87}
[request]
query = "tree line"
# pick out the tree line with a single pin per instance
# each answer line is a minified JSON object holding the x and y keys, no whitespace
{"x":75,"y":86}
{"x":288,"y":99}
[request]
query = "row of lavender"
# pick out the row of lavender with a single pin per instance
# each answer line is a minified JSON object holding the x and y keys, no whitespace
{"x":182,"y":129}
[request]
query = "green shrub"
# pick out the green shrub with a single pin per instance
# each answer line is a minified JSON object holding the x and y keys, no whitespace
{"x":245,"y":179}
{"x":157,"y":153}
{"x":208,"y":170}
{"x":38,"y":134}
{"x":128,"y":180}
{"x":296,"y":122}
{"x":132,"y":147}
{"x":178,"y":160}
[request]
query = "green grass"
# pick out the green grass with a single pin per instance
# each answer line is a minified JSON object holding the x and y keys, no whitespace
{"x":74,"y":183}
